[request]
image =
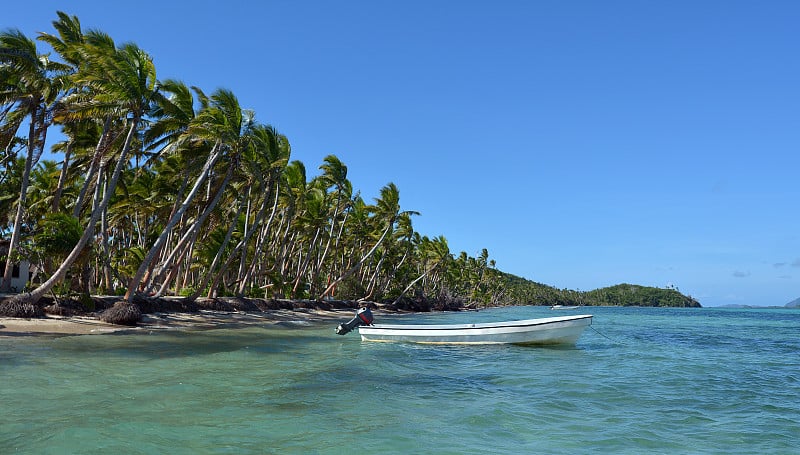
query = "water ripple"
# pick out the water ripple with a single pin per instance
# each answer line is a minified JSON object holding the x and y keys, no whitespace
{"x":648,"y":381}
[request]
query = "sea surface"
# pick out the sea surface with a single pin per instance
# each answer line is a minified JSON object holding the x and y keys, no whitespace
{"x":639,"y":380}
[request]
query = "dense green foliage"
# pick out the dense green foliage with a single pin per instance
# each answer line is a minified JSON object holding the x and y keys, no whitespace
{"x":164,"y":189}
{"x":634,"y":295}
{"x":531,"y":293}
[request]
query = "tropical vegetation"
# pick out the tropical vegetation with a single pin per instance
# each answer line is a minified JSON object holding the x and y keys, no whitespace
{"x":164,"y":189}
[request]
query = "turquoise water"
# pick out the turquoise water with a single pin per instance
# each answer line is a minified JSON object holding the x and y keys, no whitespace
{"x":640,"y":380}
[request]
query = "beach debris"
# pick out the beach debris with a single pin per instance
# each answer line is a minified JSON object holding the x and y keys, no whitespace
{"x":122,"y":313}
{"x":13,"y":309}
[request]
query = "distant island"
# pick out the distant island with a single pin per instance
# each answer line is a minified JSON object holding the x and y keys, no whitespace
{"x":793,"y":304}
{"x":533,"y":293}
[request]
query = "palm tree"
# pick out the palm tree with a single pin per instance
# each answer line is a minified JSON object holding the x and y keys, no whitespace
{"x":334,"y":175}
{"x":387,"y":207}
{"x":227,"y":126}
{"x":402,"y":244}
{"x":82,"y":136}
{"x":74,"y":48}
{"x":55,"y":237}
{"x":214,"y":198}
{"x":33,"y":86}
{"x":42,"y":185}
{"x":11,"y":168}
{"x":291,"y":197}
{"x":312,"y":222}
{"x":174,"y":157}
{"x":432,"y":253}
{"x":70,"y":38}
{"x":66,"y":44}
{"x":266,"y":156}
{"x":121,"y":83}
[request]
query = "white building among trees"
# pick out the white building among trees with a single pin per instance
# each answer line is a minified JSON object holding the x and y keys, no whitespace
{"x":20,"y":273}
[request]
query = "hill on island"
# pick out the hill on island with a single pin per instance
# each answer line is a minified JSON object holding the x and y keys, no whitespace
{"x":794,"y":303}
{"x":533,"y":293}
{"x":636,"y":295}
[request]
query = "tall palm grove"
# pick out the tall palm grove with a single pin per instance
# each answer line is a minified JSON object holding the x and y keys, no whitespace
{"x":164,"y":189}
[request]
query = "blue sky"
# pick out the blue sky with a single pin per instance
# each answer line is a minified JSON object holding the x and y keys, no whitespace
{"x":583,"y":143}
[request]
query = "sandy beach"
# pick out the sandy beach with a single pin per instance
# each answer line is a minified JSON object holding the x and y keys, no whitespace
{"x":202,"y":320}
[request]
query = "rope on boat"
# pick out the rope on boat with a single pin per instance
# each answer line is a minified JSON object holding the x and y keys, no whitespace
{"x":591,"y":326}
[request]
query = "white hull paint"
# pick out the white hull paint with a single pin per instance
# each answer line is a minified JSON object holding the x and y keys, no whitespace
{"x":557,"y":330}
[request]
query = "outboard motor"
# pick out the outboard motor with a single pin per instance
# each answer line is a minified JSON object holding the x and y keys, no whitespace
{"x":363,"y":317}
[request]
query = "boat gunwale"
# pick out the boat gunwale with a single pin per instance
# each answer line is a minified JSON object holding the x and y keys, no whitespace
{"x":486,"y":325}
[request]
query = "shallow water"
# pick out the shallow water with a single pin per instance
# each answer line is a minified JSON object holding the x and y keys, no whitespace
{"x":640,"y":380}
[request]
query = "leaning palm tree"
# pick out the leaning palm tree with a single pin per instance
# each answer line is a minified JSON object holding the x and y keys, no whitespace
{"x":270,"y":159}
{"x":226,"y":125}
{"x":11,"y":168}
{"x":67,"y":44}
{"x":69,"y":39}
{"x":122,"y":83}
{"x":174,"y":157}
{"x":432,"y":254}
{"x":266,"y":156}
{"x":334,"y":175}
{"x":31,"y":88}
{"x":387,"y":207}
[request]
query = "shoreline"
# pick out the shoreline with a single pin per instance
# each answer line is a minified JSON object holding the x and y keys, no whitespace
{"x":52,"y":325}
{"x":172,"y":313}
{"x":70,"y":317}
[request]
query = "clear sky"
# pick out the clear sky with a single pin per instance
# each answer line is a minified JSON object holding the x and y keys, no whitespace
{"x":583,"y":143}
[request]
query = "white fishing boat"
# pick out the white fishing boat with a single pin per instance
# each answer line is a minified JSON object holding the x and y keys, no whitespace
{"x":564,"y":307}
{"x":556,"y":330}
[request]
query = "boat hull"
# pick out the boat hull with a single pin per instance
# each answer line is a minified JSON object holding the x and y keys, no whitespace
{"x":544,"y":331}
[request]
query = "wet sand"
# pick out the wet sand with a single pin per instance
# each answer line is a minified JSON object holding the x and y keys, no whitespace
{"x":204,"y":319}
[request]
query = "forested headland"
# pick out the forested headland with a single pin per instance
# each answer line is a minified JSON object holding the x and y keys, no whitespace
{"x":162,"y":189}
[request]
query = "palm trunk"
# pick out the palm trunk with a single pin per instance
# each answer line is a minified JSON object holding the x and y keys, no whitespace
{"x":106,"y":250}
{"x":210,"y":208}
{"x":93,"y":166}
{"x":259,"y":244}
{"x":170,"y":235}
{"x":23,"y":195}
{"x":319,"y":263}
{"x":187,"y":257}
{"x":410,"y":285}
{"x":357,"y":265}
{"x":62,"y":178}
{"x":174,"y":269}
{"x":390,"y":276}
{"x":151,"y":254}
{"x":304,"y":263}
{"x":217,"y":258}
{"x":242,"y":245}
{"x":88,"y":232}
{"x":373,"y":281}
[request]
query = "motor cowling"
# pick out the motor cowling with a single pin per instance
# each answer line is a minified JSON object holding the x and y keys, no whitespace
{"x":362,"y":317}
